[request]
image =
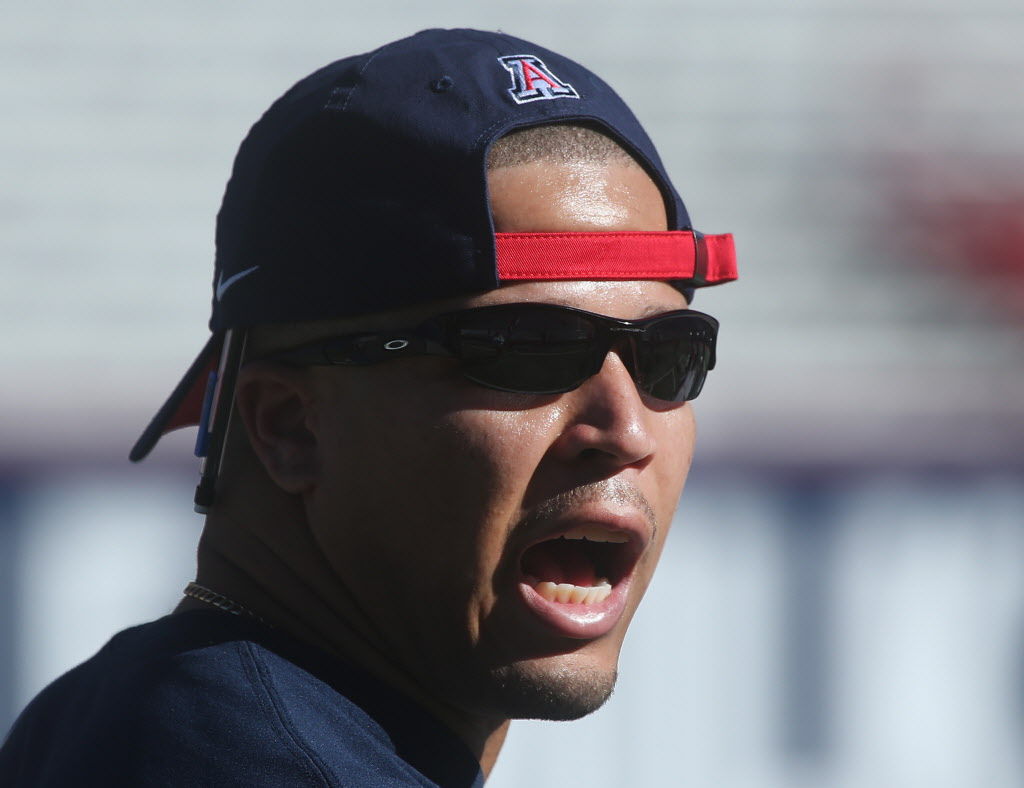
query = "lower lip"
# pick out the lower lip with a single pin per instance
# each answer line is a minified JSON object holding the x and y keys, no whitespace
{"x":578,"y":621}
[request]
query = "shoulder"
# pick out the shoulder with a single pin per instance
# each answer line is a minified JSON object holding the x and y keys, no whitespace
{"x":309,"y":703}
{"x":170,"y":702}
{"x":192,"y":699}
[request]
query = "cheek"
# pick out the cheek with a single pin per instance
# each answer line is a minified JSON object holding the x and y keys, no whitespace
{"x":445,"y":485}
{"x":676,"y":445}
{"x":486,"y":459}
{"x":671,"y":466}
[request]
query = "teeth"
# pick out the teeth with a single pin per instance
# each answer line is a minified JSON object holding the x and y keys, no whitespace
{"x":567,"y":593}
{"x":595,"y":533}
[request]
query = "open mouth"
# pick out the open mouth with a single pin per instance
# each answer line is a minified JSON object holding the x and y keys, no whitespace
{"x":579,"y":566}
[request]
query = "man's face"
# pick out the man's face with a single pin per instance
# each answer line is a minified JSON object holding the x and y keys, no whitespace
{"x":439,"y":503}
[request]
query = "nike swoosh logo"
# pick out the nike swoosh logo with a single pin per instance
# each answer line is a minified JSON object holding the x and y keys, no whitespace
{"x":224,"y":284}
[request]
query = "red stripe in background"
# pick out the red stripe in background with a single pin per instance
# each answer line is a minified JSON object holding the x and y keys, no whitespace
{"x":624,"y":255}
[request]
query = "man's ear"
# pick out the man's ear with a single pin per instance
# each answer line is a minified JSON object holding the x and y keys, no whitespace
{"x":274,"y":402}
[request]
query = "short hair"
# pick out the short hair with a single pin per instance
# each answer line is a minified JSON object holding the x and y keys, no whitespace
{"x":562,"y":143}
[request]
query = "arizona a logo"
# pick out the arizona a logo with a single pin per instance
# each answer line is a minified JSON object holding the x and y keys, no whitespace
{"x":533,"y":81}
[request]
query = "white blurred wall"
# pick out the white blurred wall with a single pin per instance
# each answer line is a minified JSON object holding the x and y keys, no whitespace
{"x":841,"y":603}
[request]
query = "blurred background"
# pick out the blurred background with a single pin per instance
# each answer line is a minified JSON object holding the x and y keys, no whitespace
{"x":842,"y":599}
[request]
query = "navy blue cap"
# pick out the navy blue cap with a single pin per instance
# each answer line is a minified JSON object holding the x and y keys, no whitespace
{"x":364,"y":188}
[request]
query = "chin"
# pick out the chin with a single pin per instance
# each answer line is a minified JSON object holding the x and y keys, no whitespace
{"x":530,"y":692}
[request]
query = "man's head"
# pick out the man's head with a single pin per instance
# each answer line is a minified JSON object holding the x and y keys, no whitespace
{"x":479,"y":519}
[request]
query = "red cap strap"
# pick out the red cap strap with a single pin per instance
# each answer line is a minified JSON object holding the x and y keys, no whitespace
{"x":674,"y":254}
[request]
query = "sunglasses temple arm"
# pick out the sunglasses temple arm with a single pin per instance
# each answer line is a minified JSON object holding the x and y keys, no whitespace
{"x":223,"y":409}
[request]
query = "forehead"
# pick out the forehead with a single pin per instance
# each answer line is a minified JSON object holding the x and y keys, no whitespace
{"x":580,"y":196}
{"x":623,"y":299}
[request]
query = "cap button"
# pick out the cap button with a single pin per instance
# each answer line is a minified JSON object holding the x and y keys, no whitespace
{"x":442,"y":84}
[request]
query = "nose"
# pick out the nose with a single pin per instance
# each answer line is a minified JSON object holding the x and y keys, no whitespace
{"x":607,"y":420}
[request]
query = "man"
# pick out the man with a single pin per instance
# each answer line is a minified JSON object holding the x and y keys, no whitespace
{"x":444,"y":414}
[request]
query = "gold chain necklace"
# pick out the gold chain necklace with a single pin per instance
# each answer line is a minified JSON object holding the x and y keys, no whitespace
{"x":219,"y":601}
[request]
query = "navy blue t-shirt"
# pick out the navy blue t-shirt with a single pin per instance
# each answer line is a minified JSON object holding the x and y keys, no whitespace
{"x":206,"y":698}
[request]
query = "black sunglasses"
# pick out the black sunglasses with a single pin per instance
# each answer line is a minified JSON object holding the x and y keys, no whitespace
{"x":540,"y":348}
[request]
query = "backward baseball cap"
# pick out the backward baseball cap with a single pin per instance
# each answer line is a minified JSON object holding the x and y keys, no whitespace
{"x":364,"y":188}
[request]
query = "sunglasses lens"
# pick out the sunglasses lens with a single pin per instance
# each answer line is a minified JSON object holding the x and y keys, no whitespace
{"x":534,"y":350}
{"x":674,"y":356}
{"x":543,"y":349}
{"x":672,"y":362}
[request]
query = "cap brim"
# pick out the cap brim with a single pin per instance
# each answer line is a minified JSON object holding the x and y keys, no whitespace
{"x":184,"y":407}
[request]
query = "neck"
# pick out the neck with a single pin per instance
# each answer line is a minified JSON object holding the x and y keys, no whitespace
{"x":284,"y":581}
